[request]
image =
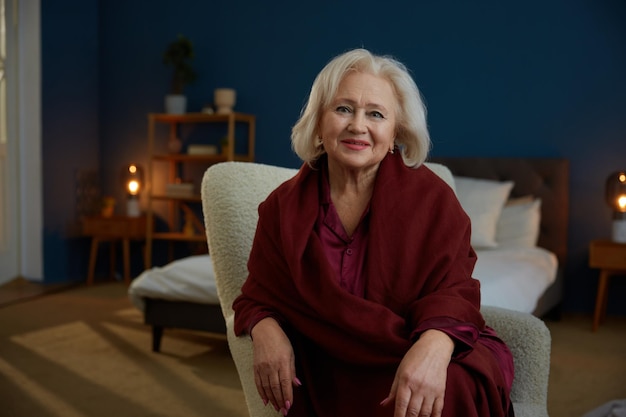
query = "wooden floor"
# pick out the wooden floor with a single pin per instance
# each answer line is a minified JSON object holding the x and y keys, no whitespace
{"x":21,"y":289}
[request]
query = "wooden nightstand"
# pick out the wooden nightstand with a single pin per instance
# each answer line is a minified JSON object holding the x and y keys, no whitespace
{"x":610,"y":258}
{"x":111,"y":229}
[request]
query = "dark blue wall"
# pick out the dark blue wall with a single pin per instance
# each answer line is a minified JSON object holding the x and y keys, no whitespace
{"x":500,"y":79}
{"x":70,"y":127}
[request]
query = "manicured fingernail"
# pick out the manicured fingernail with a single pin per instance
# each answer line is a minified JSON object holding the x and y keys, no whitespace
{"x":298,"y":383}
{"x":265,"y":401}
{"x":288,"y":405}
{"x":284,"y":411}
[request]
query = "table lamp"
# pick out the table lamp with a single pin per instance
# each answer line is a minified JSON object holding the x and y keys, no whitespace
{"x":616,"y":199}
{"x":133,"y":181}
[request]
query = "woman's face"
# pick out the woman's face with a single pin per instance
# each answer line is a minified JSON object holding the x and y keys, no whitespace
{"x":358,"y":128}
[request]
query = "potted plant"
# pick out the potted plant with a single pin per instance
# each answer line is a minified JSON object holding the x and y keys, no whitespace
{"x":178,"y":55}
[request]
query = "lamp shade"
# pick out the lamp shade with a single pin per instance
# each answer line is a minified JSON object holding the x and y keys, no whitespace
{"x":616,"y":199}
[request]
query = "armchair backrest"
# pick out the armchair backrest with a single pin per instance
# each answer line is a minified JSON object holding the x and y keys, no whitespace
{"x":231,"y":194}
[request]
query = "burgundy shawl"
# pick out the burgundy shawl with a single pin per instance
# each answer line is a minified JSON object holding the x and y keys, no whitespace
{"x":418,"y":269}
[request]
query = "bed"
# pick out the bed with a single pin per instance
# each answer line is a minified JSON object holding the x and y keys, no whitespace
{"x":520,"y":257}
{"x":545,"y":180}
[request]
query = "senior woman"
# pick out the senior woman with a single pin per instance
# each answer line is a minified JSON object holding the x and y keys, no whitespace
{"x":360,"y":299}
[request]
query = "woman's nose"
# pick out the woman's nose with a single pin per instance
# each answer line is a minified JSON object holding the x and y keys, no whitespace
{"x":357,"y":124}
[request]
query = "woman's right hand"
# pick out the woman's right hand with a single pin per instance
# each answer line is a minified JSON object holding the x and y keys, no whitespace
{"x":274,"y":364}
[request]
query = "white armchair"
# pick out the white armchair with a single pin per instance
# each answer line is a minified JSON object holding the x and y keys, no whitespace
{"x":231,"y":193}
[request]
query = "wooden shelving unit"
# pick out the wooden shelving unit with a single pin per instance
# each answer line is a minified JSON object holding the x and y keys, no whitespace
{"x":173,"y":162}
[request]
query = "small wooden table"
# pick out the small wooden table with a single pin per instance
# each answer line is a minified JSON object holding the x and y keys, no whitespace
{"x":113,"y":228}
{"x":610,"y":258}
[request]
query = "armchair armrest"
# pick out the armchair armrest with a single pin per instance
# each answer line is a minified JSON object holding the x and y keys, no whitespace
{"x":529,"y":340}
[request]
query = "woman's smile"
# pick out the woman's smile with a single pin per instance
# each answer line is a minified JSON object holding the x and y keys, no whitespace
{"x":355,"y":145}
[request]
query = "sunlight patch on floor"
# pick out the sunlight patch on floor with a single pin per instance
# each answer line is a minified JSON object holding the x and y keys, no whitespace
{"x":77,"y":347}
{"x":39,"y":394}
{"x":130,"y":314}
{"x":193,"y":375}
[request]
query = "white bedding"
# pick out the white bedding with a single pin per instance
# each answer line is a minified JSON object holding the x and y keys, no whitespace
{"x":513,"y":278}
{"x":188,"y":279}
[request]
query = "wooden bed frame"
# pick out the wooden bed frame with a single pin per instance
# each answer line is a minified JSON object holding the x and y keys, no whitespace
{"x":162,"y":314}
{"x":544,"y":178}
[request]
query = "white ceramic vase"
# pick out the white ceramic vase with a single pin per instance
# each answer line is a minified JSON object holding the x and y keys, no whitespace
{"x":175,"y":104}
{"x":224,"y":99}
{"x":132,"y":206}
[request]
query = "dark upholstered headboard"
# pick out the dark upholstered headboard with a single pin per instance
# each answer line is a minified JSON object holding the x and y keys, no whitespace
{"x":544,"y":178}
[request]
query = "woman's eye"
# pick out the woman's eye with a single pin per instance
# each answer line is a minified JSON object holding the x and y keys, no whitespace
{"x":342,"y":109}
{"x":377,"y":115}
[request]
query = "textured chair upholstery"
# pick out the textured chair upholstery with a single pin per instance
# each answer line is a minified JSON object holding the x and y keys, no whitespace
{"x":231,"y":193}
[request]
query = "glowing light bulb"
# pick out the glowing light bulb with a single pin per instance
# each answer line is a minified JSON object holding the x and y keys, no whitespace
{"x":133,"y":187}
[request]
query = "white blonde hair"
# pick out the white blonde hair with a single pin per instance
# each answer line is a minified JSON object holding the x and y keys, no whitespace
{"x":412,"y":138}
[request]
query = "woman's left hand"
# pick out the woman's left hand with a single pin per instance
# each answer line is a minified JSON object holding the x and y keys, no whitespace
{"x":420,"y":382}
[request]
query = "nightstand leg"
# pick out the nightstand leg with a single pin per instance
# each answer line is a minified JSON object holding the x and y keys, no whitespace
{"x":144,"y":249}
{"x":92,"y":259}
{"x":112,"y":260}
{"x":605,"y":299}
{"x":601,"y":297}
{"x":126,"y":255}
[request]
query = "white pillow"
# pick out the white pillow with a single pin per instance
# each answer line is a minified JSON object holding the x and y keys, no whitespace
{"x":483,"y":201}
{"x":443,"y":172}
{"x":518,"y":225}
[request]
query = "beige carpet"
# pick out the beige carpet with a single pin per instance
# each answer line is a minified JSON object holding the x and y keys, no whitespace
{"x":587,"y":369}
{"x":86,"y":352}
